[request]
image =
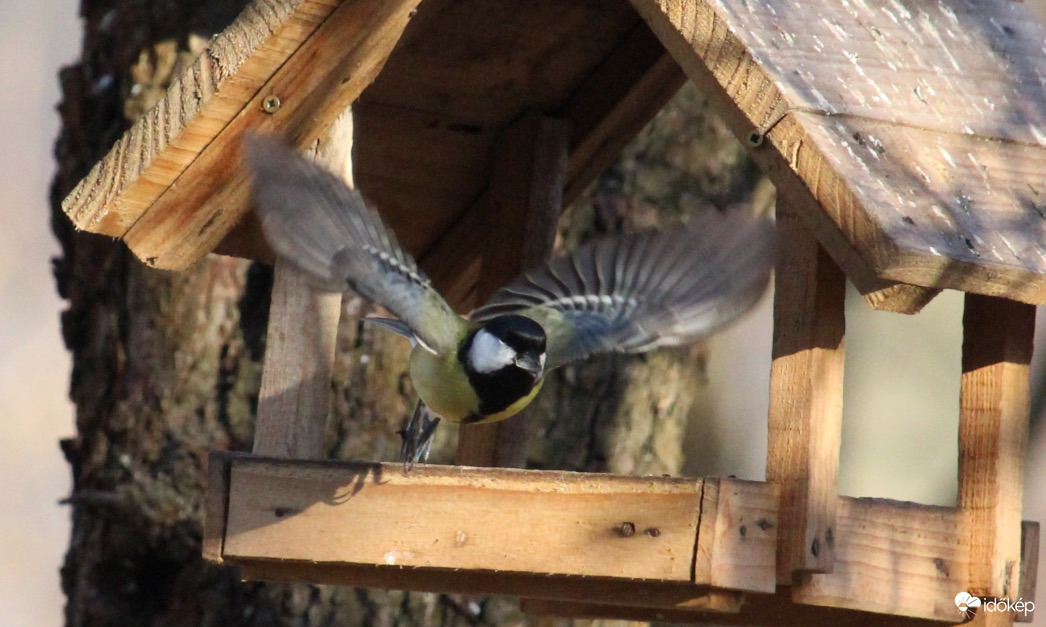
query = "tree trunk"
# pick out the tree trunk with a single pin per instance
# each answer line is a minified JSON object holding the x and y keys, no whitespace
{"x":167,"y":365}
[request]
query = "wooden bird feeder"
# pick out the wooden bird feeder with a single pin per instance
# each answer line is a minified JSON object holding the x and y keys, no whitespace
{"x":907,"y":141}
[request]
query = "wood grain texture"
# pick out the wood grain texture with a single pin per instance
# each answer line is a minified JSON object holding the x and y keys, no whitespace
{"x":151,"y":156}
{"x":806,"y":390}
{"x":1029,"y":566}
{"x":216,"y":506}
{"x":451,"y":517}
{"x":714,"y":604}
{"x":737,"y":539}
{"x":901,"y":133}
{"x":315,"y":85}
{"x":521,"y":210}
{"x":902,"y":559}
{"x":633,"y":83}
{"x":770,"y":610}
{"x":608,"y":591}
{"x":993,"y":432}
{"x":294,"y":399}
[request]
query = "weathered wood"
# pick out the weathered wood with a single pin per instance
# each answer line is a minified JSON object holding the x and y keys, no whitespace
{"x":314,"y":84}
{"x":294,"y":399}
{"x":993,"y":432}
{"x":295,"y":388}
{"x":633,"y":83}
{"x":893,"y":558}
{"x":610,"y":591}
{"x":199,"y":104}
{"x":216,"y":506}
{"x":453,"y":517}
{"x":455,"y":529}
{"x":737,"y":540}
{"x":1029,"y":566}
{"x":521,"y":209}
{"x":710,"y":607}
{"x":806,"y":389}
{"x":898,"y":297}
{"x":771,"y":610}
{"x":908,"y":169}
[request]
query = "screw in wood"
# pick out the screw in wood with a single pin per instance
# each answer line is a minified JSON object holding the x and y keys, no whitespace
{"x":271,"y":104}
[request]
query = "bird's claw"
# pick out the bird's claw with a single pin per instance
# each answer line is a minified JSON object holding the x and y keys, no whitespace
{"x":417,"y":436}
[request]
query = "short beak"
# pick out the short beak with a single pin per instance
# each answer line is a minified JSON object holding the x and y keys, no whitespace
{"x":532,"y":364}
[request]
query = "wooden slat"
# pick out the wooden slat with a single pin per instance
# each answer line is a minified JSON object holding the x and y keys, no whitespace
{"x":609,"y":591}
{"x":894,"y":558}
{"x":294,"y":398}
{"x":1029,"y":567}
{"x":714,"y":604}
{"x":934,"y":124}
{"x":485,"y":63}
{"x":806,"y":388}
{"x":771,"y":610}
{"x":299,"y":353}
{"x":216,"y":505}
{"x":737,"y":540}
{"x":993,"y":432}
{"x":453,"y":517}
{"x":633,"y":83}
{"x":563,"y":536}
{"x":898,"y":297}
{"x":199,"y":104}
{"x":521,"y":209}
{"x":319,"y":81}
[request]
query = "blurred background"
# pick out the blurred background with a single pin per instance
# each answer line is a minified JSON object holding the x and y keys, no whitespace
{"x":902,"y":373}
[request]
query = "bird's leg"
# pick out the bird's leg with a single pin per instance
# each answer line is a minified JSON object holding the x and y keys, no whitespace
{"x":417,"y":436}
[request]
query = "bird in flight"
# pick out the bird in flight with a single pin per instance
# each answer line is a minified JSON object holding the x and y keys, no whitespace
{"x":627,"y":294}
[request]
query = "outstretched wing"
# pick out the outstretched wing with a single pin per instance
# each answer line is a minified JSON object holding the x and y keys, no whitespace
{"x":315,"y":222}
{"x":653,"y":288}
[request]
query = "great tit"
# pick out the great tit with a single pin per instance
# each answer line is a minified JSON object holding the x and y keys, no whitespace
{"x":626,"y":294}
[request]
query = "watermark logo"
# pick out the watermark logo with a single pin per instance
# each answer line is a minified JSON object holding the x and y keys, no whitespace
{"x":969,"y":604}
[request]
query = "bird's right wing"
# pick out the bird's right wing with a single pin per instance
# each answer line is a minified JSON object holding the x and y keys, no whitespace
{"x":653,"y":288}
{"x":315,"y":222}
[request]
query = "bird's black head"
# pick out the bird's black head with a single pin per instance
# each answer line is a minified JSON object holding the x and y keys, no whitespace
{"x":504,"y":360}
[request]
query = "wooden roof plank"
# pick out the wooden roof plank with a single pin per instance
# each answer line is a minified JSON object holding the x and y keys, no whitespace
{"x":951,"y":92}
{"x":316,"y":84}
{"x":150,"y":156}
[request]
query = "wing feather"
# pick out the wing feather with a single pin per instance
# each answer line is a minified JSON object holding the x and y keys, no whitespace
{"x":649,"y":289}
{"x":314,"y":221}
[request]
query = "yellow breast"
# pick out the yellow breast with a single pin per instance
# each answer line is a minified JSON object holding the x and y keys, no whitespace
{"x":444,"y":387}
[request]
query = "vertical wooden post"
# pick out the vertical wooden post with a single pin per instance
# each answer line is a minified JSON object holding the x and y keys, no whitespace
{"x":299,"y":353}
{"x":993,"y":432}
{"x":806,"y":389}
{"x":523,"y":198}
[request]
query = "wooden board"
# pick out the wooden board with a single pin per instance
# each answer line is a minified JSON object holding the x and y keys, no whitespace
{"x":314,"y":86}
{"x":771,"y":610}
{"x":346,"y":518}
{"x":993,"y":435}
{"x":894,"y":558}
{"x":598,"y":539}
{"x":294,"y":398}
{"x":149,"y":157}
{"x":911,"y":136}
{"x":806,"y":396}
{"x":456,"y":517}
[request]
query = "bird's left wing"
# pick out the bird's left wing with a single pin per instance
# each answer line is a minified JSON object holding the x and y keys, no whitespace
{"x":315,"y":222}
{"x":637,"y":292}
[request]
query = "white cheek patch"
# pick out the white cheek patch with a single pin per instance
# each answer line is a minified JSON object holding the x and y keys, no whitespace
{"x":489,"y":354}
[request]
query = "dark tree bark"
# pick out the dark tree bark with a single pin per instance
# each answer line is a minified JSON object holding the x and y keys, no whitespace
{"x":167,"y":366}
